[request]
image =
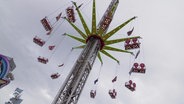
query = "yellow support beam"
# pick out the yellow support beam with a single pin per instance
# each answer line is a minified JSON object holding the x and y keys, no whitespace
{"x":82,"y":19}
{"x":94,"y":18}
{"x":112,"y":32}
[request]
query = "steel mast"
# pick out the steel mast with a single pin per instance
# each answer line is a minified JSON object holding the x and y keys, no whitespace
{"x":71,"y":89}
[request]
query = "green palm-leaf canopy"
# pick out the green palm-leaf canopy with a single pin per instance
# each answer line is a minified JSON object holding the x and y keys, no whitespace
{"x":98,"y":32}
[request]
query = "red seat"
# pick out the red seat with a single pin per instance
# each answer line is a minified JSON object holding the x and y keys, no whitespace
{"x":135,"y":67}
{"x":135,"y":44}
{"x":134,"y":40}
{"x":55,"y":76}
{"x":127,"y":44}
{"x":112,"y":93}
{"x":130,"y":85}
{"x":38,"y":41}
{"x":51,"y":47}
{"x":46,"y":24}
{"x":42,"y":60}
{"x":138,"y":68}
{"x":142,"y":68}
{"x":132,"y":44}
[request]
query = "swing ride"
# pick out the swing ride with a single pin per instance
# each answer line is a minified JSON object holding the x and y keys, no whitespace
{"x":138,"y":68}
{"x":7,"y":65}
{"x":132,"y":44}
{"x":94,"y":43}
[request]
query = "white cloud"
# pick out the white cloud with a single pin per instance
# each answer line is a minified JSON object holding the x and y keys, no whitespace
{"x":160,"y":23}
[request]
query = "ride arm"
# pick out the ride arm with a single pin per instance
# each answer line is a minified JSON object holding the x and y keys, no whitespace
{"x":77,"y":29}
{"x":100,"y":58}
{"x":82,"y":19}
{"x":116,"y":49}
{"x":109,"y":55}
{"x":76,"y":38}
{"x":112,"y":32}
{"x":109,"y":42}
{"x":79,"y":47}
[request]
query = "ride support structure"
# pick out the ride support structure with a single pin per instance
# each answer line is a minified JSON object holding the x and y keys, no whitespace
{"x":72,"y":87}
{"x":75,"y":81}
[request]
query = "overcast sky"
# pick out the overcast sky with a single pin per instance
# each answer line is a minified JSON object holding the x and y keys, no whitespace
{"x":160,"y":24}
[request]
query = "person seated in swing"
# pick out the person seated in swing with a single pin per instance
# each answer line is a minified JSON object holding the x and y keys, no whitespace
{"x":93,"y":93}
{"x":112,"y":93}
{"x":55,"y":76}
{"x":135,"y":67}
{"x":42,"y":60}
{"x":38,"y":41}
{"x":61,"y":65}
{"x":128,"y":44}
{"x":130,"y":85}
{"x":51,"y":47}
{"x":142,"y":68}
{"x":46,"y":24}
{"x":136,"y":43}
{"x":138,"y":68}
{"x":132,"y":44}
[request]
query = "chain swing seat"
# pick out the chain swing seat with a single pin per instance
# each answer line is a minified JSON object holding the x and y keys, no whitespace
{"x":130,"y":85}
{"x":132,"y":44}
{"x":138,"y":68}
{"x":46,"y":24}
{"x":38,"y":41}
{"x":55,"y":75}
{"x":92,"y":93}
{"x":42,"y":60}
{"x":112,"y":93}
{"x":70,"y":14}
